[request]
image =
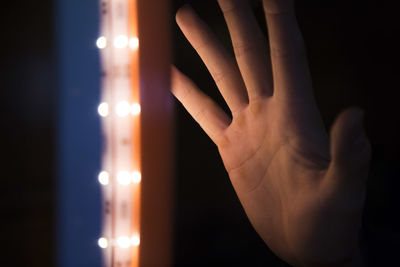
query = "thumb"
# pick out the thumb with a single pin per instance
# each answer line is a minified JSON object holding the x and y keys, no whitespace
{"x":350,"y":148}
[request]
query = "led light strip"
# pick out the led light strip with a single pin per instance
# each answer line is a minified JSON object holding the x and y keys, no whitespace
{"x":120,"y":109}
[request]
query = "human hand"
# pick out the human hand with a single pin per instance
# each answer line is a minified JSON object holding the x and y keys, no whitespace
{"x":302,"y":192}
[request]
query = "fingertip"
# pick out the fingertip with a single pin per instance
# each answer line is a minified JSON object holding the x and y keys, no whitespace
{"x":177,"y":81}
{"x":173,"y":69}
{"x":350,"y":117}
{"x":349,"y":143}
{"x":174,"y":76}
{"x":352,"y":120}
{"x":350,"y":148}
{"x":356,"y":112}
{"x":182,"y":13}
{"x":178,"y":14}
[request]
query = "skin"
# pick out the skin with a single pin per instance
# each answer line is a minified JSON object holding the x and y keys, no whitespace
{"x":302,"y":189}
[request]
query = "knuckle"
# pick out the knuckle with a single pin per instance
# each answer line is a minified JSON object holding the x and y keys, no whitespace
{"x":229,"y":6}
{"x":242,"y":48}
{"x":219,"y":77}
{"x":295,"y":50}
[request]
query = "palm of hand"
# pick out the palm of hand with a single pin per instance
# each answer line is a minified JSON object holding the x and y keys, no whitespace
{"x":277,"y":170}
{"x":290,"y":181}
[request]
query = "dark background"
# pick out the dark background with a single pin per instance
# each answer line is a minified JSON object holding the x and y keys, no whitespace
{"x":353,"y":56}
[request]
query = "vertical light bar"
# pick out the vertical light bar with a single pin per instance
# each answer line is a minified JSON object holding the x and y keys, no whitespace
{"x":105,"y":242}
{"x":120,"y":108}
{"x":133,"y":45}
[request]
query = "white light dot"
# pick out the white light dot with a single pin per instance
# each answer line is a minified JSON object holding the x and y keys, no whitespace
{"x":135,"y":109}
{"x":134,"y":43}
{"x":123,"y":109}
{"x":135,"y":240}
{"x":121,"y":41}
{"x":101,"y":42}
{"x":136,"y":177}
{"x":104,"y":178}
{"x":124,"y":177}
{"x":102,"y":242}
{"x":124,"y":242}
{"x":103,"y":109}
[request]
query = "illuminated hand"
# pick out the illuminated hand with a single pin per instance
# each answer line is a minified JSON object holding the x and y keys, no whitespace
{"x":303,"y":194}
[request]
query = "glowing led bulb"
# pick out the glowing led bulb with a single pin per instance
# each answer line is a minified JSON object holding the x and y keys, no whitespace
{"x":134,"y":43}
{"x":102,"y":242}
{"x":123,"y":242}
{"x":101,"y":42}
{"x":121,"y":41}
{"x":135,"y":240}
{"x":124,"y":177}
{"x":123,"y":109}
{"x":135,"y":109}
{"x":104,"y":178}
{"x":136,"y":177}
{"x":103,"y":109}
